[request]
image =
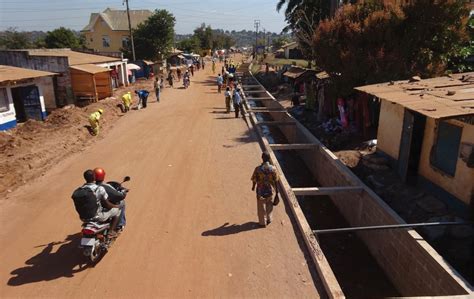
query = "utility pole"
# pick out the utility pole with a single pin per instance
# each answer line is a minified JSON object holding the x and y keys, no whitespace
{"x":256,"y":24}
{"x":264,"y":40}
{"x":130,"y":30}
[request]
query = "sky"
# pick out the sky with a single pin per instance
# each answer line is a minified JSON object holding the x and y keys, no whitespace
{"x":46,"y":15}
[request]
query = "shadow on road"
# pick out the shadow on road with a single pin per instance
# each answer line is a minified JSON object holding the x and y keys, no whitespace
{"x":227,"y":229}
{"x":46,"y":265}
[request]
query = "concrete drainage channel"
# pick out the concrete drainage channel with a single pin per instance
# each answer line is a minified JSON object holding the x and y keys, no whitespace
{"x":323,"y":193}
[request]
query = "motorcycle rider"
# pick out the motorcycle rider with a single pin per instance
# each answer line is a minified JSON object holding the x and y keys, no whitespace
{"x":114,"y":195}
{"x":187,"y":78}
{"x":103,"y":215}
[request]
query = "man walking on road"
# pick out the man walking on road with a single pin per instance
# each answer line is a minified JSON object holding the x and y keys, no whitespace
{"x":265,"y":177}
{"x":220,"y":81}
{"x":237,"y":101}
{"x":157,"y":86}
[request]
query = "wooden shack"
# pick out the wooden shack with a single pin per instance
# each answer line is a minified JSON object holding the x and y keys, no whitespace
{"x":90,"y":82}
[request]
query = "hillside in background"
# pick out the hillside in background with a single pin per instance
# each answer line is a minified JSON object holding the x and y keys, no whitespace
{"x":242,"y":38}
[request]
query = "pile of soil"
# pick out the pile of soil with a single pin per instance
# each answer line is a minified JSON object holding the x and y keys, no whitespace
{"x":27,"y":150}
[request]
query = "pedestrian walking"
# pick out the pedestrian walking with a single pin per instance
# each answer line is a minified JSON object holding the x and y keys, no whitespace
{"x":228,"y":98}
{"x":191,"y":68}
{"x":178,"y":72}
{"x":220,"y":81}
{"x":94,"y":121}
{"x":170,"y":79}
{"x":213,"y":66}
{"x":265,"y":178}
{"x":157,"y":86}
{"x":142,"y":98}
{"x":127,"y":101}
{"x":237,"y":101}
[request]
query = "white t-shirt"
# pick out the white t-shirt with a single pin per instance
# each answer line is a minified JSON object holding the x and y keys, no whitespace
{"x":100,"y":194}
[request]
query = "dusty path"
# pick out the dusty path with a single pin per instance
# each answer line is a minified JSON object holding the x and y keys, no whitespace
{"x":191,"y":214}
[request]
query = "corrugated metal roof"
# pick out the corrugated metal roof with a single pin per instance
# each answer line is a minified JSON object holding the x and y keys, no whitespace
{"x":117,"y":19}
{"x":11,"y":73}
{"x":90,"y":68}
{"x":440,"y":97}
{"x":75,"y":58}
{"x":294,"y":72}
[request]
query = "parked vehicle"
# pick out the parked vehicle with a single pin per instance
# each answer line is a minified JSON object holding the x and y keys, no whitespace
{"x":95,"y":241}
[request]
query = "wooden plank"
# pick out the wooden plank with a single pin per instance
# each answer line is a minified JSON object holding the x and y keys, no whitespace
{"x":276,"y":123}
{"x":326,"y":190}
{"x":293,"y":146}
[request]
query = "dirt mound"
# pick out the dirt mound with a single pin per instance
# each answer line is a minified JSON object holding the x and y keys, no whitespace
{"x":34,"y":146}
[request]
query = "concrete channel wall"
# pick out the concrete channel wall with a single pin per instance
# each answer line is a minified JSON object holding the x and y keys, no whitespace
{"x":412,"y":265}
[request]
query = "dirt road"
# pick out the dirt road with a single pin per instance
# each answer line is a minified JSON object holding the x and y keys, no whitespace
{"x":191,"y":215}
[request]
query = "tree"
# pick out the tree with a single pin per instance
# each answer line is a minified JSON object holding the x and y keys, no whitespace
{"x":302,"y":17}
{"x":278,"y":42}
{"x":12,"y":39}
{"x":189,"y":45}
{"x":204,"y":34}
{"x":371,"y":42}
{"x":62,"y":38}
{"x":463,"y":59}
{"x":155,"y":36}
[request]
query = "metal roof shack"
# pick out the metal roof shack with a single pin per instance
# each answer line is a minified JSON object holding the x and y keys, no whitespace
{"x":294,"y":72}
{"x":11,"y":74}
{"x":74,"y":58}
{"x":90,"y":68}
{"x":440,"y":97}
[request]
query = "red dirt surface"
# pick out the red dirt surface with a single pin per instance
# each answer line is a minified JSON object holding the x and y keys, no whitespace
{"x":31,"y":148}
{"x":191,"y":215}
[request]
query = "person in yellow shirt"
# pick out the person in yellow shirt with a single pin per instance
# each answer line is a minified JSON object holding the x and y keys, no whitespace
{"x":94,"y":121}
{"x":127,"y":101}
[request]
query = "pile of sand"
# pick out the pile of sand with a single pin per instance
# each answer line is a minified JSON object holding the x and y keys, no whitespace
{"x":28,"y":150}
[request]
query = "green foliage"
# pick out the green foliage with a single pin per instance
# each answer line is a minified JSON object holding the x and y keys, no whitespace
{"x":204,"y":34}
{"x":61,"y":38}
{"x":205,"y":38}
{"x":12,"y":39}
{"x":155,"y":36}
{"x":463,"y":59}
{"x":370,"y":43}
{"x":189,"y":45}
{"x":280,"y":41}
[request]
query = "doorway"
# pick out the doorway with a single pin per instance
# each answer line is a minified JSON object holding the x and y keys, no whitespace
{"x":26,"y":101}
{"x":411,"y":144}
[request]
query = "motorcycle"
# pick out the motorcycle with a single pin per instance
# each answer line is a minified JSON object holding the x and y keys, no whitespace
{"x":186,"y":82}
{"x":95,"y":241}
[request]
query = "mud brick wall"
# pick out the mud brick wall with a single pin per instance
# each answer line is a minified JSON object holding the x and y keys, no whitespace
{"x":412,"y":265}
{"x":60,"y":65}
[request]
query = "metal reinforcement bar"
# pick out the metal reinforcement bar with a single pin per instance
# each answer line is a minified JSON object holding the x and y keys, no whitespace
{"x":276,"y":123}
{"x":326,"y":190}
{"x":266,"y":111}
{"x":293,"y":146}
{"x":331,"y":285}
{"x":260,"y":99}
{"x":390,"y":226}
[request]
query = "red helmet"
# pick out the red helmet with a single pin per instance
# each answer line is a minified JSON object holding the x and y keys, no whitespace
{"x":99,"y":174}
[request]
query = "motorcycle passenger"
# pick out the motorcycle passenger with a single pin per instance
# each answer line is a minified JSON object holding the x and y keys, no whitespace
{"x":103,"y":215}
{"x":115,"y":196}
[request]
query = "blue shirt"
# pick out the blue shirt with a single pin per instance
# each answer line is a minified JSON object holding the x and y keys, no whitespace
{"x":237,"y":98}
{"x":220,"y":80}
{"x":142,"y":94}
